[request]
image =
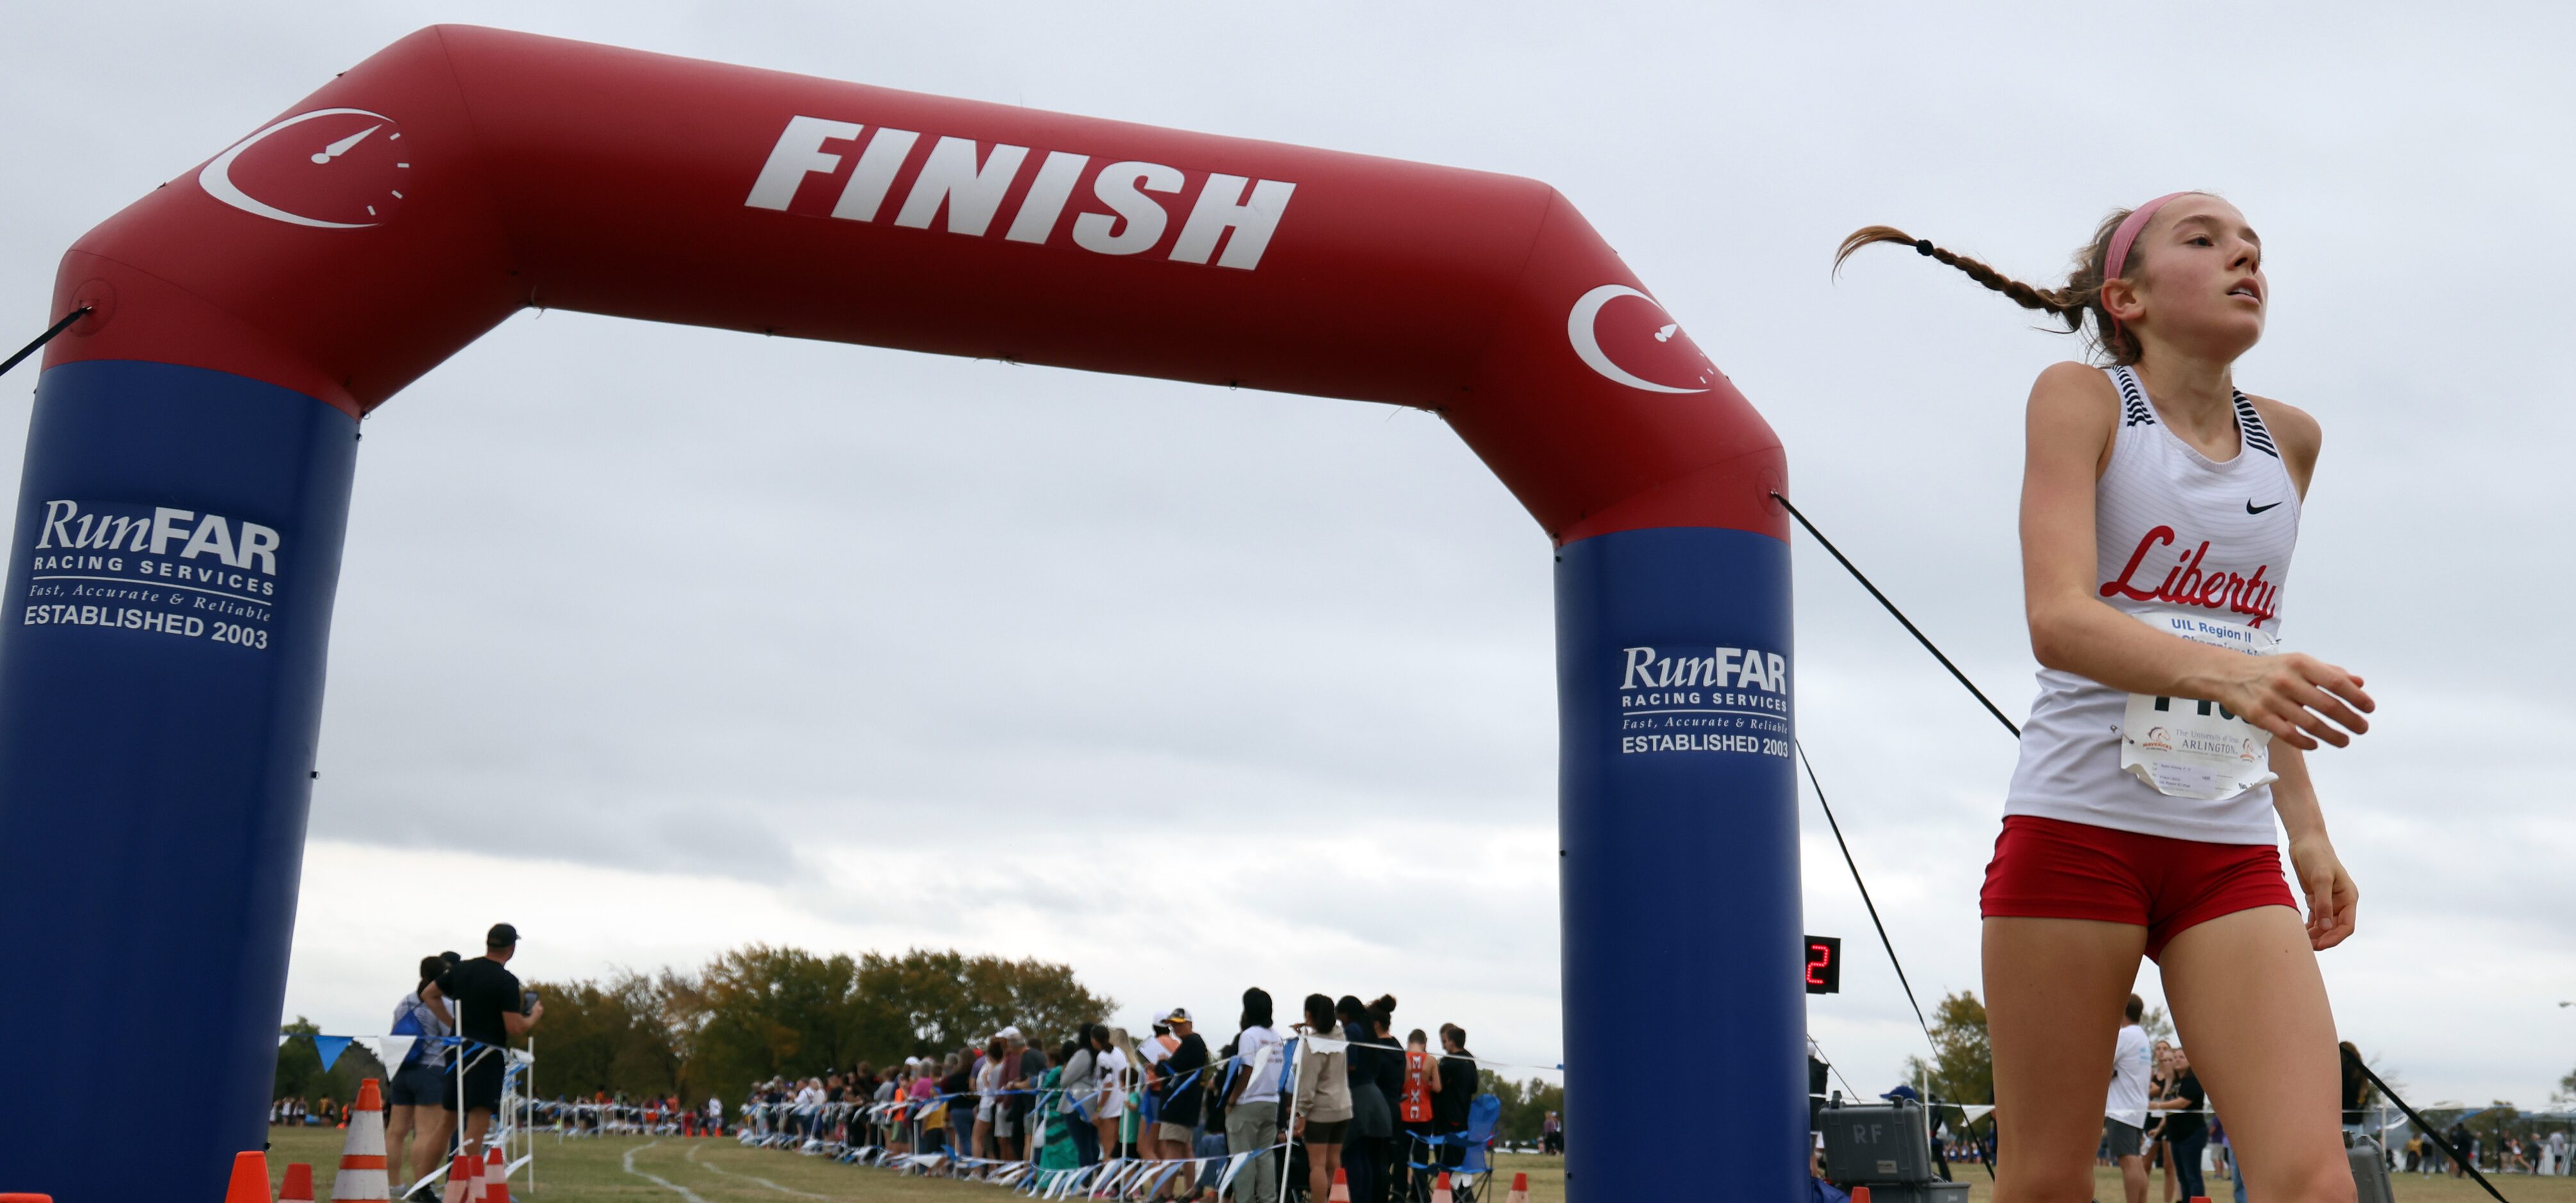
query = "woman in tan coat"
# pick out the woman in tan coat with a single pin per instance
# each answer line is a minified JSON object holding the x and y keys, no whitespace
{"x":1323,"y":1096}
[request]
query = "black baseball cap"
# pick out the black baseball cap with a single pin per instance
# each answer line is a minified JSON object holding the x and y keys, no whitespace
{"x":502,"y":935}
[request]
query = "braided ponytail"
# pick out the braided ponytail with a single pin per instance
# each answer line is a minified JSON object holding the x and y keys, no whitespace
{"x":2079,"y":299}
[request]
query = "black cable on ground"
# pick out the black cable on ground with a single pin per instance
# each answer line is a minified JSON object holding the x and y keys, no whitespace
{"x":42,"y":339}
{"x":1883,"y":941}
{"x":1910,"y":628}
{"x":2432,"y":1135}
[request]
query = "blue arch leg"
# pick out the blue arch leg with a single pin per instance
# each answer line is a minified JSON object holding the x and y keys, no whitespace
{"x":1678,"y":830}
{"x":161,"y":660}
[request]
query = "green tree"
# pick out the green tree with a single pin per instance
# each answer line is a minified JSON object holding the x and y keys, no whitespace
{"x":2491,"y":1125}
{"x":1963,"y":1066}
{"x":299,"y":1067}
{"x":1525,"y":1104}
{"x":926,"y":1003}
{"x":616,"y":1037}
{"x":759,"y":1012}
{"x":2566,"y":1090}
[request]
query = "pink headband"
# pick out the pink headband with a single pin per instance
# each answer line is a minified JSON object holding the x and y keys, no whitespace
{"x":2122,"y":238}
{"x":2128,"y":233}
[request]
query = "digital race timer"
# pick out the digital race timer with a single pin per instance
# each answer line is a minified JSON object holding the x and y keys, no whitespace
{"x":1824,"y":964}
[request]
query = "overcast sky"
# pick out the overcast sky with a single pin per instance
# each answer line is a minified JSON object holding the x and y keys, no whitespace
{"x":656,"y":641}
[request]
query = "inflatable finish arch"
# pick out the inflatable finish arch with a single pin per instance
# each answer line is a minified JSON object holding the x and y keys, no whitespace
{"x":189,"y":463}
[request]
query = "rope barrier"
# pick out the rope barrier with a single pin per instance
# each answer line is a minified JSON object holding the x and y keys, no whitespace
{"x":1831,"y":1066}
{"x":1110,"y":1178}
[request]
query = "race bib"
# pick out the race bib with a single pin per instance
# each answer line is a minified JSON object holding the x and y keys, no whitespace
{"x":2188,"y":748}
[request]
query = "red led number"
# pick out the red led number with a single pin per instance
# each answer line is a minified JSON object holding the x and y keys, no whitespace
{"x":1824,"y":965}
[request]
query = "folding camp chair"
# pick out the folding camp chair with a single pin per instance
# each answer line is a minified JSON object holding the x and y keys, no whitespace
{"x":1467,"y":1179}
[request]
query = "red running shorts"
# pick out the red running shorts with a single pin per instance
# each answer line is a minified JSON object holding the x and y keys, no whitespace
{"x":2053,"y":869}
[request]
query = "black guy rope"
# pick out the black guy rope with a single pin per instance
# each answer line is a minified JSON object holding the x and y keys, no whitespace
{"x":46,"y":337}
{"x":1883,"y":941}
{"x":1910,"y":628}
{"x":2431,"y":1134}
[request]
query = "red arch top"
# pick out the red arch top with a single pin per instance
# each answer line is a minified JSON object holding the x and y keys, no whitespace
{"x":421,"y":198}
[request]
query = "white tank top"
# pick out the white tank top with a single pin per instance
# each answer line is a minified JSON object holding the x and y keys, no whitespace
{"x":2176,"y":532}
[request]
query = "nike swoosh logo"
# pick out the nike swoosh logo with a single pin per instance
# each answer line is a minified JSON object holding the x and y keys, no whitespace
{"x":2252,"y":508}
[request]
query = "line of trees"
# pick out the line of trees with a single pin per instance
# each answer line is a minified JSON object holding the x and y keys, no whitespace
{"x":759,"y":1011}
{"x":751,"y":1014}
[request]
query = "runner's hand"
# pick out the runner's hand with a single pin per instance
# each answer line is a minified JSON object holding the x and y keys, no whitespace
{"x":2332,"y":898}
{"x":2293,"y":695}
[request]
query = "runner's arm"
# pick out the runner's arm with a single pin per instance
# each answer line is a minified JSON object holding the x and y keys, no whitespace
{"x":2333,"y":900}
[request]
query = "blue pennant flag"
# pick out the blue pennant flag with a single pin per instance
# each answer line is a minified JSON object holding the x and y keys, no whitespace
{"x":330,"y":1047}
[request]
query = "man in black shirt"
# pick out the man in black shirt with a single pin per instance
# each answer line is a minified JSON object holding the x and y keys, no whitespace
{"x":1458,"y":1086}
{"x":1023,"y":1065}
{"x":1185,"y":1087}
{"x":489,"y":1011}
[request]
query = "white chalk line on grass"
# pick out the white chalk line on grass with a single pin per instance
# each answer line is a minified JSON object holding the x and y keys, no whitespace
{"x":666,"y":1184}
{"x":692,"y":1159}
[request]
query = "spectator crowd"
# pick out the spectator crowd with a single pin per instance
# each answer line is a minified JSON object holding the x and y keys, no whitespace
{"x":1336,"y":1089}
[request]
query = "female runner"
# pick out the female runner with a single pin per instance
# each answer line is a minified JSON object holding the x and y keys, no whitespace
{"x":2159,"y":509}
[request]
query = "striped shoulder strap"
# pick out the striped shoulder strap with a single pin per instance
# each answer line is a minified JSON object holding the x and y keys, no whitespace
{"x":2249,"y":426}
{"x":2134,"y":410}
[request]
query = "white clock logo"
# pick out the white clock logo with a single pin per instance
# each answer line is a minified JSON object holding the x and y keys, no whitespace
{"x":335,"y":169}
{"x":1580,"y":329}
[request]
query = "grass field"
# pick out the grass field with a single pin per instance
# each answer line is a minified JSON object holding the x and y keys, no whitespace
{"x":616,"y":1169}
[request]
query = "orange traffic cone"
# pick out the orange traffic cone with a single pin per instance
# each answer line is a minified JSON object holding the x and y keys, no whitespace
{"x":496,"y":1178}
{"x":463,"y":1183}
{"x":1341,"y":1186}
{"x":1860,"y":1194}
{"x":362,"y":1157}
{"x":250,"y":1179}
{"x":1440,"y":1190}
{"x":1520,"y":1189}
{"x":298,"y":1187}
